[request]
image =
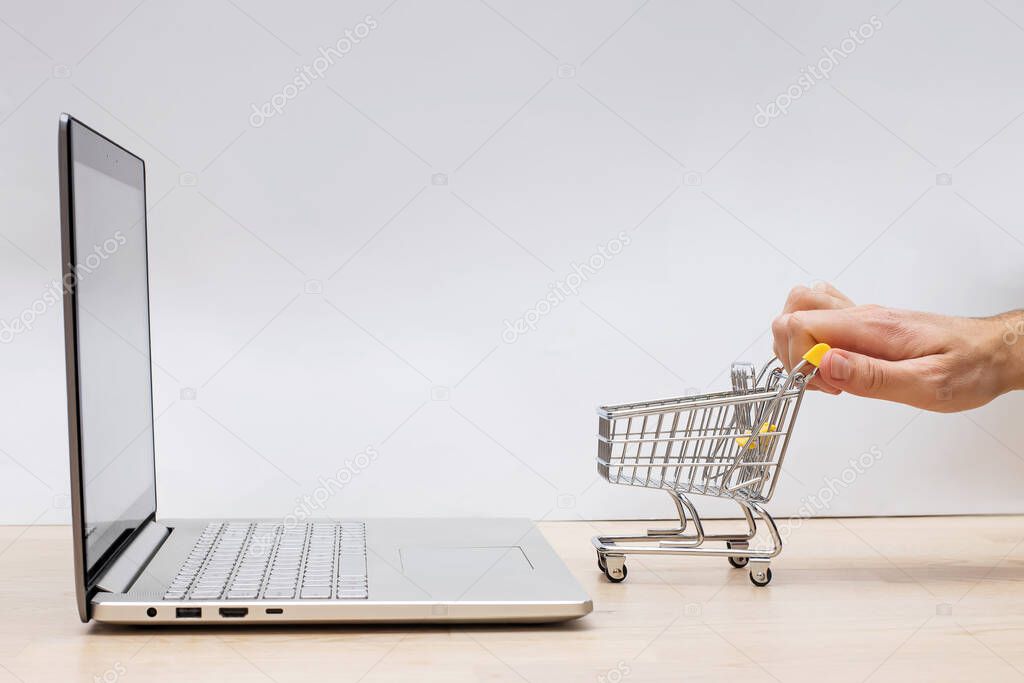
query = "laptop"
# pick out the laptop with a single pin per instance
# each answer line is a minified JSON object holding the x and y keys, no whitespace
{"x":134,"y":567}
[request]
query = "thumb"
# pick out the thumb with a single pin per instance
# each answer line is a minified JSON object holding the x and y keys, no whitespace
{"x":862,"y":375}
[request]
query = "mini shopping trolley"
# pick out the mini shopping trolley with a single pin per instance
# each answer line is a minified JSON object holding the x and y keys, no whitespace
{"x":724,"y":445}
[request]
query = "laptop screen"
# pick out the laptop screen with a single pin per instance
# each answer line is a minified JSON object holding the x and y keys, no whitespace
{"x":108,"y":272}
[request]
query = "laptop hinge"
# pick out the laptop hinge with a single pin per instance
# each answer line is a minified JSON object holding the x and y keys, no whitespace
{"x":123,"y":571}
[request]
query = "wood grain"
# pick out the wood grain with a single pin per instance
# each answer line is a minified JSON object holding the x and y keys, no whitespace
{"x":853,"y":599}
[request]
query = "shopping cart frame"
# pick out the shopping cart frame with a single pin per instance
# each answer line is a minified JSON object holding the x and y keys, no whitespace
{"x":779,"y":395}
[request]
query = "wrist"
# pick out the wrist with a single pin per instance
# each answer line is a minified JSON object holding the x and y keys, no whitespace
{"x":1008,"y":350}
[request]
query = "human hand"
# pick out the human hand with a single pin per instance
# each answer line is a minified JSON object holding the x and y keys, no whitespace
{"x":930,"y":361}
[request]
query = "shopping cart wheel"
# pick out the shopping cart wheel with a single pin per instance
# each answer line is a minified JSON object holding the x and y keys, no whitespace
{"x":601,"y":563}
{"x":738,"y":562}
{"x":616,"y":579}
{"x":760,"y":575}
{"x":615,"y":569}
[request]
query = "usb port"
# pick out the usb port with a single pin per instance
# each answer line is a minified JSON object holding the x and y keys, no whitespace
{"x":188,"y":612}
{"x":233,"y":612}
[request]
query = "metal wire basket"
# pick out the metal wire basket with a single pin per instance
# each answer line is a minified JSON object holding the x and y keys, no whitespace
{"x":725,"y":445}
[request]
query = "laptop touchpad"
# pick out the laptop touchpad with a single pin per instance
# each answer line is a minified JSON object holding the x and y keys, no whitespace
{"x":461,"y":572}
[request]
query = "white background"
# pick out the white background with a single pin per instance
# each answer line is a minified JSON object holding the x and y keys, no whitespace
{"x":557,"y":125}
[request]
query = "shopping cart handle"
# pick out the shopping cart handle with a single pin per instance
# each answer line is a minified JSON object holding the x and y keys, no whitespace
{"x":816,"y":354}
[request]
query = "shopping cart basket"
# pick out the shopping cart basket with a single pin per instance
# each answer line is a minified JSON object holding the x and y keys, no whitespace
{"x":725,"y":445}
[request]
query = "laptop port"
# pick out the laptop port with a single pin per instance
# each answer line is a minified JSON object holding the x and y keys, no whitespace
{"x":275,"y":610}
{"x":233,"y":612}
{"x":188,"y":612}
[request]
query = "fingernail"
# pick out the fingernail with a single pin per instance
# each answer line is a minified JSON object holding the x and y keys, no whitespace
{"x":839,"y":367}
{"x":819,"y":286}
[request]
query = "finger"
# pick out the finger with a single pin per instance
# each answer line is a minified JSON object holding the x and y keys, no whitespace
{"x":827,"y":288}
{"x":804,"y":299}
{"x":800,"y":341}
{"x":822,"y":384}
{"x":860,"y":375}
{"x":780,"y":339}
{"x":877,"y":332}
{"x":820,"y":296}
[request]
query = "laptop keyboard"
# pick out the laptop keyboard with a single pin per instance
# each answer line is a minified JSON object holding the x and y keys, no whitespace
{"x":274,"y":561}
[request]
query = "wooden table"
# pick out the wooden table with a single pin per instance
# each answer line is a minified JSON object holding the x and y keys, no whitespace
{"x":937,"y":598}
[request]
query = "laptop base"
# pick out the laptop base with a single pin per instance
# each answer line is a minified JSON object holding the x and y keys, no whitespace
{"x":419,"y":571}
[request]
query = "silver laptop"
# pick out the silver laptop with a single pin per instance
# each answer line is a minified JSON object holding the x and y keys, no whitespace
{"x":132,"y":567}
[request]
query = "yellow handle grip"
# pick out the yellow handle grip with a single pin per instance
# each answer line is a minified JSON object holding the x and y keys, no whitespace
{"x":742,"y":440}
{"x":816,"y":353}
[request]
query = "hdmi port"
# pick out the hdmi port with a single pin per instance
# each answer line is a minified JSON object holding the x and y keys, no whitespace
{"x":233,"y":612}
{"x":188,"y":612}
